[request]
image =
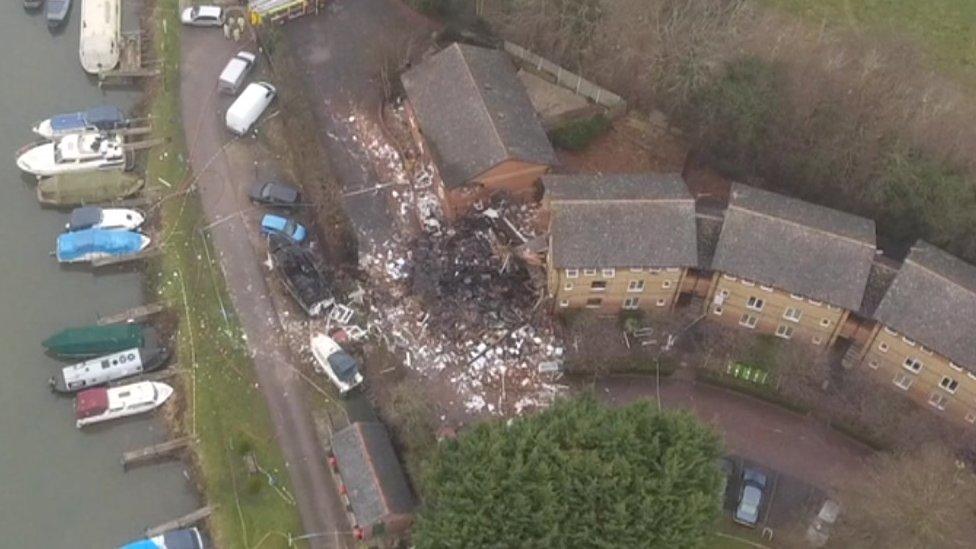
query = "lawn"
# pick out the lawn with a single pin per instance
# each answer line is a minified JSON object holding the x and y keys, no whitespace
{"x":224,"y":408}
{"x":944,"y":29}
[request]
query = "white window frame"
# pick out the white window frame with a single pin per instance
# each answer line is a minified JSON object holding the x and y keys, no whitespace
{"x":955,"y":366}
{"x":814,"y":302}
{"x":925,"y":350}
{"x":911,"y":361}
{"x":594,"y":305}
{"x":654,"y":271}
{"x":661,"y":302}
{"x":883,"y":347}
{"x":971,"y":417}
{"x":825,"y":322}
{"x":784,"y":331}
{"x":793,"y":318}
{"x":748,"y":283}
{"x":757,"y":303}
{"x":563,"y":303}
{"x":635,"y":286}
{"x":971,"y":376}
{"x":631,"y":303}
{"x":729,"y":277}
{"x":874,"y":364}
{"x":938,"y":401}
{"x":636,"y":269}
{"x":797,"y":297}
{"x":816,"y":340}
{"x":608,"y":273}
{"x":908,"y":341}
{"x":766,"y":288}
{"x":744,"y":320}
{"x":672,"y":269}
{"x":572,"y":273}
{"x":589,"y":272}
{"x":717,"y":310}
{"x":903,"y":381}
{"x":890,"y":331}
{"x":598,"y":289}
{"x":952,"y":381}
{"x":568,"y":287}
{"x":666,"y":284}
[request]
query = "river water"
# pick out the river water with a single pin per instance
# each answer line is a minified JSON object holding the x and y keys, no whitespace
{"x":59,"y":487}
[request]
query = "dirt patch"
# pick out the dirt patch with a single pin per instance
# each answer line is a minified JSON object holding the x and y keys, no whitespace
{"x":633,"y":144}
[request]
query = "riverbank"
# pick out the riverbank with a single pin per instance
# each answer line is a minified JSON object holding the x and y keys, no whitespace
{"x":220,"y":401}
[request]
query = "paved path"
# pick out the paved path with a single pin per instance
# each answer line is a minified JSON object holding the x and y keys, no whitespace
{"x":787,"y":442}
{"x":224,"y":175}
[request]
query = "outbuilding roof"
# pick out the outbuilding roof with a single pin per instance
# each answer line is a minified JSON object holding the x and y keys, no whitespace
{"x":799,"y":247}
{"x":371,"y":473}
{"x":474,"y":112}
{"x":933,"y":301}
{"x":622,"y":220}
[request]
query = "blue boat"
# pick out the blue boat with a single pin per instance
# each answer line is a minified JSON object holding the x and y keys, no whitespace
{"x":56,"y":12}
{"x":91,"y":244}
{"x":103,"y":118}
{"x":189,"y":538}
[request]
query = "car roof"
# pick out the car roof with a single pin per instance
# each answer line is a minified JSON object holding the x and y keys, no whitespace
{"x":283,"y":192}
{"x":211,"y":11}
{"x":273,"y":221}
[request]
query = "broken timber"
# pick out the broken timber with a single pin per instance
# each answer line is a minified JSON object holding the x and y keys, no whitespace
{"x":182,"y":522}
{"x":156,"y":451}
{"x":108,"y":261}
{"x":138,"y":146}
{"x":132,"y":315}
{"x":131,"y":64}
{"x":161,"y":375}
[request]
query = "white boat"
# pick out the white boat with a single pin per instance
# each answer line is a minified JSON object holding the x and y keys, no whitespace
{"x":98,"y":405}
{"x":93,"y":217}
{"x":101,"y":35}
{"x":80,"y":152}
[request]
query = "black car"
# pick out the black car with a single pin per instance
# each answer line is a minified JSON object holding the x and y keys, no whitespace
{"x":273,"y":193}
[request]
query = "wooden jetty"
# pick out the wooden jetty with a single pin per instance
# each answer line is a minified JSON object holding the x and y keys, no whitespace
{"x":109,"y":261}
{"x":159,"y":375}
{"x":154,"y":452}
{"x":134,"y":314}
{"x":182,"y":522}
{"x":140,"y":145}
{"x":132,"y":64}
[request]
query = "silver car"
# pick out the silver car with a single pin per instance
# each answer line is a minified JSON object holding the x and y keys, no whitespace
{"x":750,"y":497}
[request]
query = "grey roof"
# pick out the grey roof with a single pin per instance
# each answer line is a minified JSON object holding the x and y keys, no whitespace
{"x":883,"y":271}
{"x":474,"y":112}
{"x":933,"y":301}
{"x":796,"y":246}
{"x":627,"y":220}
{"x":371,"y":473}
{"x":709,"y":222}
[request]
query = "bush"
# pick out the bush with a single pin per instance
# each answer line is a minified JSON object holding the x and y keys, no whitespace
{"x":759,"y":391}
{"x":576,"y":135}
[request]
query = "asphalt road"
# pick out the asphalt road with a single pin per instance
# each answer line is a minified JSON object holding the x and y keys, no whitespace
{"x":225,"y":168}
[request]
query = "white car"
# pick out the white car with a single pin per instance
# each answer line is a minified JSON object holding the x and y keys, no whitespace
{"x":248,"y":107}
{"x":203,"y":16}
{"x":341,"y":368}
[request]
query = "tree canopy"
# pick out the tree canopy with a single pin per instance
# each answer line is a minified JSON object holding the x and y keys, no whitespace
{"x":578,"y":475}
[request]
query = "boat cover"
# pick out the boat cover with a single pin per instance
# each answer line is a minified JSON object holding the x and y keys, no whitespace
{"x":87,"y":187}
{"x":175,"y":539}
{"x":83,"y":218}
{"x":76,"y":245}
{"x":95,"y":340}
{"x":105,"y":117}
{"x":91,"y":402}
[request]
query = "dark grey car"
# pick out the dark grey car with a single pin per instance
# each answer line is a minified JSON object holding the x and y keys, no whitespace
{"x":273,"y":193}
{"x":750,"y":497}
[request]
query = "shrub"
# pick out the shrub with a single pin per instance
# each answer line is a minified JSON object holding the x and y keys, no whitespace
{"x":576,"y":135}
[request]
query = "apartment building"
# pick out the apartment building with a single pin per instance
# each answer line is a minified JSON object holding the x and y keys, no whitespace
{"x":924,"y":342}
{"x":788,"y":268}
{"x":618,"y":242}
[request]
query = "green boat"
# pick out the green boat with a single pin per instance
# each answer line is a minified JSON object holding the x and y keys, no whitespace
{"x":89,"y":341}
{"x":77,"y":189}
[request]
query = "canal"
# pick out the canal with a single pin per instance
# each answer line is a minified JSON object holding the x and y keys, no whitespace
{"x":59,"y":487}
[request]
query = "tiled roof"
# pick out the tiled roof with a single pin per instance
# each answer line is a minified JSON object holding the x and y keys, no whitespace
{"x":474,"y":112}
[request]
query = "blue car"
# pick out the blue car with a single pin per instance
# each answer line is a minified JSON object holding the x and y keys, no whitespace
{"x":275,"y":224}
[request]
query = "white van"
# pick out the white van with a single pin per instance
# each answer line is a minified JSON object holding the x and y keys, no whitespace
{"x":247,"y":108}
{"x":233,"y":76}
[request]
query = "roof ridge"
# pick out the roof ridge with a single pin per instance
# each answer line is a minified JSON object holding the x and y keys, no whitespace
{"x":940,"y":275}
{"x":484,"y":103}
{"x":798,"y":224}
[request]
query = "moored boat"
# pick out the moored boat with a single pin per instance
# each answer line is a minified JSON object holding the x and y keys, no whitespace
{"x":56,"y":12}
{"x":32,"y":4}
{"x":187,"y":538}
{"x":101,"y":118}
{"x":98,"y":405}
{"x":93,"y":217}
{"x":91,"y":244}
{"x":74,"y":189}
{"x":76,"y":152}
{"x":94,"y":340}
{"x":102,"y":370}
{"x":101,"y":34}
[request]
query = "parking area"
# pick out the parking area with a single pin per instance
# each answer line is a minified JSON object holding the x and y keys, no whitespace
{"x":786,"y":502}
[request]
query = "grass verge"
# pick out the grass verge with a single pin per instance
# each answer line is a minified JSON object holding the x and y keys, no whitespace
{"x":223,"y":407}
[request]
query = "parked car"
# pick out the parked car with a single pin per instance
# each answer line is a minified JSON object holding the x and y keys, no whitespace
{"x":235,"y":72}
{"x":273,"y":193}
{"x":331,"y":360}
{"x":203,"y":16}
{"x":298,"y":269}
{"x":750,"y":497}
{"x":286,"y":227}
{"x":819,"y":531}
{"x":248,"y":107}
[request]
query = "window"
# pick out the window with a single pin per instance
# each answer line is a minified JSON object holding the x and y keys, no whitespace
{"x":784,"y":331}
{"x":924,"y":350}
{"x":589,"y":272}
{"x":636,"y":269}
{"x":724,"y":294}
{"x":883,"y":347}
{"x":949,"y":384}
{"x":717,"y":310}
{"x":797,"y":297}
{"x":825,"y":322}
{"x":873,"y":364}
{"x":598,"y":285}
{"x":654,"y":271}
{"x":608,"y":273}
{"x":594,"y":302}
{"x":903,"y":381}
{"x":890,"y":331}
{"x":816,"y":340}
{"x":938,"y":401}
{"x":954,"y":366}
{"x":729,"y":277}
{"x":913,"y":365}
{"x":631,"y":303}
{"x":755,"y":303}
{"x":635,"y":286}
{"x":814,"y":302}
{"x":908,"y":341}
{"x":748,"y":283}
{"x":568,"y":286}
{"x":666,"y":284}
{"x":765,"y":288}
{"x":563,"y":303}
{"x":748,"y":320}
{"x":971,"y":417}
{"x":971,"y":376}
{"x":672,"y":269}
{"x":572,"y":273}
{"x":662,"y":302}
{"x":792,"y":314}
